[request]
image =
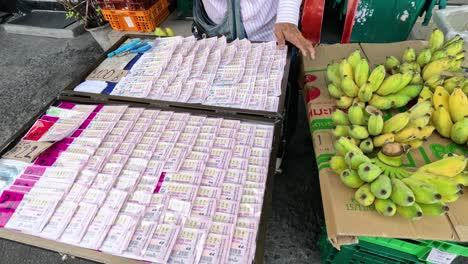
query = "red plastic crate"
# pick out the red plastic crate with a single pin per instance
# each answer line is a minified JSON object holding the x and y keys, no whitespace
{"x":145,"y":21}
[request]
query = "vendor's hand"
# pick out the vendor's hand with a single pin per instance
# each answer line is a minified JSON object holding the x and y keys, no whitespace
{"x":289,"y":32}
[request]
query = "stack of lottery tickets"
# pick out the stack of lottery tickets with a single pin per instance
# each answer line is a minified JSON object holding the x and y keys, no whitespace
{"x":239,"y":74}
{"x":146,"y":184}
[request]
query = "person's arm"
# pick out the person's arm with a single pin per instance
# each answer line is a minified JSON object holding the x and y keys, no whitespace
{"x":286,"y":27}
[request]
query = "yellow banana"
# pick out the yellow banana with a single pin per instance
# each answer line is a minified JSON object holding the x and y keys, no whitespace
{"x":420,"y":110}
{"x":346,"y":69}
{"x":462,"y":179}
{"x":455,"y":65}
{"x":391,"y":62}
{"x":436,"y":40}
{"x":443,"y":185}
{"x":453,"y":82}
{"x":407,"y":134}
{"x":452,"y":40}
{"x":340,"y":118}
{"x":448,"y":167}
{"x":349,"y":87}
{"x":383,"y":139}
{"x":414,"y":144}
{"x":409,"y":55}
{"x":434,"y":81}
{"x":425,"y":95}
{"x":362,"y":72}
{"x":455,"y":48}
{"x":344,"y":102}
{"x":440,"y":98}
{"x":334,"y":91}
{"x":385,"y":207}
{"x":396,"y":123}
{"x":442,"y":121}
{"x":338,"y":164}
{"x":364,"y":196}
{"x":458,"y":105}
{"x":376,"y":77}
{"x":459,"y":133}
{"x":435,"y":68}
{"x":420,"y":121}
{"x":424,"y":57}
{"x":425,"y":132}
{"x":333,"y":74}
{"x":365,"y":92}
{"x":417,"y":79}
{"x":450,"y":198}
{"x":381,"y":102}
{"x":390,"y":84}
{"x":354,"y":58}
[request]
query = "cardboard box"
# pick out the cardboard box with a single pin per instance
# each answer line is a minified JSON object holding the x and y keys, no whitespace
{"x":345,"y":218}
{"x":102,"y":257}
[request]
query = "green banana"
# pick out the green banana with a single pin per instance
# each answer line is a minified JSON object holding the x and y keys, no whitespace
{"x":340,"y":118}
{"x":368,"y":172}
{"x":434,"y":209}
{"x":362,"y":72}
{"x":455,"y":48}
{"x":439,"y":54}
{"x":358,"y":132}
{"x":354,"y":159}
{"x":385,"y":207}
{"x":334,"y":91}
{"x":341,"y":131}
{"x":436,"y":40}
{"x":364,"y":196}
{"x":344,"y":145}
{"x":396,"y":123}
{"x":357,"y":114}
{"x":349,"y":87}
{"x":377,"y":77}
{"x":409,"y":55}
{"x":391,"y":62}
{"x":420,"y":109}
{"x":344,"y":102}
{"x":354,"y":58}
{"x":381,"y":102}
{"x":423,"y":192}
{"x":375,"y":122}
{"x":443,"y":185}
{"x":452,"y":40}
{"x":401,"y":195}
{"x":412,"y":212}
{"x":390,"y":84}
{"x":338,"y":164}
{"x":424,"y":57}
{"x":367,"y":146}
{"x":351,"y":179}
{"x":411,"y":91}
{"x":365,"y":92}
{"x":382,"y":187}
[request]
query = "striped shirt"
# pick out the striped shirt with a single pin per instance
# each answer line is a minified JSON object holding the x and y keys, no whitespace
{"x":259,"y":16}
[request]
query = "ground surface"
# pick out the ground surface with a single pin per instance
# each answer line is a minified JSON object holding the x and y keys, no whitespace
{"x":34,"y":70}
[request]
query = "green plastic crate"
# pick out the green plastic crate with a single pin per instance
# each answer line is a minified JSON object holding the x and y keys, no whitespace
{"x":386,"y":250}
{"x":363,"y":253}
{"x":420,"y":248}
{"x":378,"y":21}
{"x":184,"y":8}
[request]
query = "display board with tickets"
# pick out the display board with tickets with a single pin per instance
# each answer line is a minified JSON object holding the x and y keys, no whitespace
{"x":240,"y":76}
{"x":130,"y":183}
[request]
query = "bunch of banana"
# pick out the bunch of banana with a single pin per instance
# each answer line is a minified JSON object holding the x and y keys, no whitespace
{"x":391,"y":189}
{"x":450,"y":116}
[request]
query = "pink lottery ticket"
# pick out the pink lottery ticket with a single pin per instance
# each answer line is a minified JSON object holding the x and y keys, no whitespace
{"x":161,"y":243}
{"x":213,"y":176}
{"x":98,"y":229}
{"x":231,"y":191}
{"x":29,"y":177}
{"x":140,"y":239}
{"x":187,"y":138}
{"x":142,"y":125}
{"x":257,"y":169}
{"x":175,"y":125}
{"x":189,"y":165}
{"x":238,"y":164}
{"x":142,"y":154}
{"x":227,"y":207}
{"x":227,"y":132}
{"x":243,"y":138}
{"x":235,"y":176}
{"x":76,"y":193}
{"x":241,"y":151}
{"x":188,"y":246}
{"x":194,"y":155}
{"x":117,"y":132}
{"x":185,"y":192}
{"x":79,"y":223}
{"x":94,"y":196}
{"x":234,"y":124}
{"x":260,"y":142}
{"x":169,"y":136}
{"x":145,"y":147}
{"x":209,"y":192}
{"x":256,"y":177}
{"x":153,"y":169}
{"x":204,"y":206}
{"x":214,"y":249}
{"x":112,"y":169}
{"x":219,"y":158}
{"x":247,"y":222}
{"x":133,"y":137}
{"x":86,"y":177}
{"x":59,"y":220}
{"x":192,"y":128}
{"x":251,"y":199}
{"x":241,"y":245}
{"x":259,"y":161}
{"x":224,"y":218}
{"x":250,"y":210}
{"x":136,"y":164}
{"x":118,"y":158}
{"x":209,"y":129}
{"x":196,"y":120}
{"x":125,"y":149}
{"x":198,"y":222}
{"x":162,"y":151}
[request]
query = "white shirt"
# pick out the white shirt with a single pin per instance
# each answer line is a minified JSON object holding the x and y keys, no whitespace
{"x":259,"y":16}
